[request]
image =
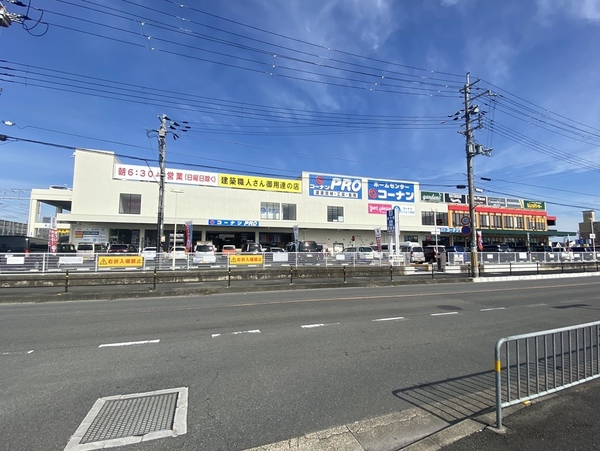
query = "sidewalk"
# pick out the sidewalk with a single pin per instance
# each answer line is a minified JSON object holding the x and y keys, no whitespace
{"x":567,"y":420}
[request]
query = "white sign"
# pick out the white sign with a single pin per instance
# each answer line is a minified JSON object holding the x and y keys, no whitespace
{"x":181,"y":176}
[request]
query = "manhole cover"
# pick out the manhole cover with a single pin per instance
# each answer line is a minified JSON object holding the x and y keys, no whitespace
{"x":126,"y":419}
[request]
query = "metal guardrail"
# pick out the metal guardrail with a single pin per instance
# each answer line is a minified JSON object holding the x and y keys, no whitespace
{"x":536,"y":364}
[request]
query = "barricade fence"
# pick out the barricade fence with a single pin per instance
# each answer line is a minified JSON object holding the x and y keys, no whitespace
{"x":531,"y":365}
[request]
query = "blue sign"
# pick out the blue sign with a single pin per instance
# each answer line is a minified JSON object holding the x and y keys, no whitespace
{"x":450,"y":229}
{"x":233,"y":222}
{"x":332,"y":186}
{"x":391,"y":191}
{"x":466,"y":230}
{"x":391,"y":221}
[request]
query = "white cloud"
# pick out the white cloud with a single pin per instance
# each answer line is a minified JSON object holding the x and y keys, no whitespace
{"x":579,"y":9}
{"x":492,"y":57}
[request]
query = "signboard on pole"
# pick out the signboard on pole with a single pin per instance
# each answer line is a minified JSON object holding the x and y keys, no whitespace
{"x":378,"y":238}
{"x":391,"y":222}
{"x":53,"y":241}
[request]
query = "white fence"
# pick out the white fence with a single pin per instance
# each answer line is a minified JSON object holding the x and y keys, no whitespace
{"x":43,"y":262}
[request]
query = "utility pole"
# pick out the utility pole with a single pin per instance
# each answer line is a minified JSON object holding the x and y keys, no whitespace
{"x":166,"y":126}
{"x":472,"y":149}
{"x":162,"y":147}
{"x":7,"y":18}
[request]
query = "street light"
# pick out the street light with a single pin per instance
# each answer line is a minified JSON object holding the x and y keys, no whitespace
{"x":176,"y":192}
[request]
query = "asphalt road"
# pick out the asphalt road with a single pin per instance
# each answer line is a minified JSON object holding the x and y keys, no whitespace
{"x":266,"y":367}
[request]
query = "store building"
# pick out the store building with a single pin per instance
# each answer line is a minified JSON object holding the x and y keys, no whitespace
{"x":113,"y":202}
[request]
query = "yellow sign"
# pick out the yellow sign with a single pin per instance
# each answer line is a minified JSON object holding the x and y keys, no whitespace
{"x":260,"y":183}
{"x":121,"y":262}
{"x":251,"y":259}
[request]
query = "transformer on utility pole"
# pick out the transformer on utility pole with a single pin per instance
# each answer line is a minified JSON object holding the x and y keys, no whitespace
{"x":472,"y":149}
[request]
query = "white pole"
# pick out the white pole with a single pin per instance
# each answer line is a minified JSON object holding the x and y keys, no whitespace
{"x":177,"y":192}
{"x":593,"y":235}
{"x":435,"y":229}
{"x":397,"y":230}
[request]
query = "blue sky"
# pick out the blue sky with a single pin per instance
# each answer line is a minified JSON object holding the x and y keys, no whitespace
{"x":356,"y":87}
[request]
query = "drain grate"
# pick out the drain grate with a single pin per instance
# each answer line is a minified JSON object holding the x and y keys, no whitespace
{"x":130,"y":417}
{"x":125,"y":419}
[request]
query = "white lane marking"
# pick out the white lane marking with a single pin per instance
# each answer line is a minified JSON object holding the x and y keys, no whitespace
{"x":129,"y":343}
{"x":389,"y":319}
{"x":443,"y":314}
{"x":490,"y":309}
{"x":255,"y":331}
{"x":16,"y":352}
{"x":311,"y":326}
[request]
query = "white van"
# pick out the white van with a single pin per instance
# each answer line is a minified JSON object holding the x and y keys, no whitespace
{"x":87,"y":249}
{"x":416,"y":251}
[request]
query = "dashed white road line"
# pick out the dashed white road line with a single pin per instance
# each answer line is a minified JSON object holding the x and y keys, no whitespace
{"x":17,"y":352}
{"x":129,"y":343}
{"x":255,"y":331}
{"x":490,"y":309}
{"x":311,"y":326}
{"x":397,"y":318}
{"x":444,"y":314}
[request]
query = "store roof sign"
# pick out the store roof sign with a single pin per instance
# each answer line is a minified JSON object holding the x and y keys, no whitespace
{"x":514,"y":203}
{"x":534,"y":205}
{"x":496,"y":201}
{"x":180,"y":176}
{"x":391,"y":191}
{"x":433,"y":197}
{"x":260,"y":183}
{"x":452,"y":198}
{"x":233,"y":222}
{"x":333,"y":186}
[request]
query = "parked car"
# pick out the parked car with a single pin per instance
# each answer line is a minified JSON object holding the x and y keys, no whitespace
{"x":276,"y":249}
{"x":541,"y":248}
{"x":252,"y":248}
{"x":582,"y":249}
{"x":87,"y":249}
{"x":65,"y":248}
{"x":307,"y":251}
{"x":149,"y":253}
{"x":204,"y":254}
{"x":178,"y":252}
{"x":414,"y":249}
{"x":358,"y":254}
{"x":456,"y":248}
{"x":120,"y":249}
{"x":432,"y":253}
{"x":497,"y":247}
{"x":228,"y":249}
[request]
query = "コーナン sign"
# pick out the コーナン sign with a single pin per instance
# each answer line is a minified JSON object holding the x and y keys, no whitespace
{"x":333,"y":186}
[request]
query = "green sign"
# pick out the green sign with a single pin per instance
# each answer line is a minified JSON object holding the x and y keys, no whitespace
{"x":429,"y":196}
{"x":534,"y":204}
